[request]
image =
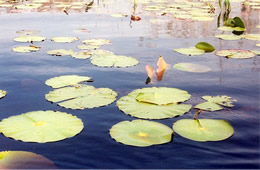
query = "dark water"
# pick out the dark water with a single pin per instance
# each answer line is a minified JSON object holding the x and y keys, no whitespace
{"x":23,"y":77}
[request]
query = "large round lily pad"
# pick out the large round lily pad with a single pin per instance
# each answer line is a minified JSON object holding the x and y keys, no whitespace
{"x":66,"y":80}
{"x":81,"y":97}
{"x":64,"y":39}
{"x":235,"y":53}
{"x":141,"y":133}
{"x":155,"y":103}
{"x":114,"y":61}
{"x":203,"y":130}
{"x":29,"y":39}
{"x":24,"y":160}
{"x":2,"y":93}
{"x":190,"y":51}
{"x":41,"y":126}
{"x":191,"y":67}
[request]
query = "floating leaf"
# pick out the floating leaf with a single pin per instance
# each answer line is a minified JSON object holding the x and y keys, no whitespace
{"x":88,"y":47}
{"x":191,"y":67}
{"x":67,"y":80}
{"x":81,"y":97}
{"x":64,"y":39}
{"x":239,"y":54}
{"x":29,"y":39}
{"x":24,"y":160}
{"x":209,"y":106}
{"x":155,"y":103}
{"x":205,"y":46}
{"x":60,"y":52}
{"x":190,"y":51}
{"x":26,"y":49}
{"x":256,"y":52}
{"x":225,"y":28}
{"x":238,"y":22}
{"x":41,"y":126}
{"x":100,"y":53}
{"x":141,"y":133}
{"x":202,"y":18}
{"x":222,"y":100}
{"x":96,"y":42}
{"x":118,"y":15}
{"x":258,"y":45}
{"x":229,"y":37}
{"x":203,"y":130}
{"x":81,"y":55}
{"x":2,"y":93}
{"x":253,"y":37}
{"x":28,"y":32}
{"x":113,"y":61}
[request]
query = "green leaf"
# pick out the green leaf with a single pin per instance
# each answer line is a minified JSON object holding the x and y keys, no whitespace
{"x":88,"y":47}
{"x":41,"y":126}
{"x":208,"y":106}
{"x":203,"y":130}
{"x":141,"y":133}
{"x":29,"y":39}
{"x":229,"y":37}
{"x":222,"y":100}
{"x":253,"y":37}
{"x":191,"y":67}
{"x":28,"y":32}
{"x":67,"y":80}
{"x":238,"y":54}
{"x":113,"y":61}
{"x":155,"y":103}
{"x":238,"y":22}
{"x":190,"y":51}
{"x":60,"y":52}
{"x":64,"y":39}
{"x":96,"y":42}
{"x":26,"y":49}
{"x":205,"y":46}
{"x":2,"y":93}
{"x":81,"y":97}
{"x":81,"y":55}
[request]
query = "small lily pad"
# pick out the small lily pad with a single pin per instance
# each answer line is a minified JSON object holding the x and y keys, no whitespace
{"x":67,"y":80}
{"x":209,"y":106}
{"x":113,"y":61}
{"x":2,"y":93}
{"x":81,"y":55}
{"x":64,"y":39}
{"x":258,"y":45}
{"x":155,"y":103}
{"x":190,"y":51}
{"x":29,"y":39}
{"x":26,"y":49}
{"x":88,"y":47}
{"x":202,"y":18}
{"x":41,"y":126}
{"x":60,"y":52}
{"x":229,"y":37}
{"x":141,"y":133}
{"x":234,"y":53}
{"x":96,"y":42}
{"x":203,"y":130}
{"x":205,"y":46}
{"x":24,"y":160}
{"x":253,"y":37}
{"x":191,"y":67}
{"x":81,"y":97}
{"x":28,"y":32}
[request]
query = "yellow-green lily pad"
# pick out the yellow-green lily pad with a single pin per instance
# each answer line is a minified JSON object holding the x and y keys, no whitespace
{"x":60,"y":52}
{"x":226,"y":28}
{"x":28,"y":32}
{"x":24,"y":160}
{"x":2,"y":93}
{"x":113,"y":61}
{"x":155,"y":103}
{"x":26,"y":49}
{"x":234,"y":53}
{"x":253,"y":37}
{"x":96,"y":42}
{"x":88,"y":47}
{"x":81,"y":97}
{"x":205,"y":46}
{"x":209,"y":106}
{"x":81,"y":55}
{"x":41,"y":126}
{"x":229,"y":37}
{"x":191,"y":67}
{"x":190,"y":51}
{"x":29,"y":39}
{"x":202,"y":18}
{"x":141,"y":133}
{"x":66,"y":80}
{"x":203,"y":130}
{"x":64,"y":39}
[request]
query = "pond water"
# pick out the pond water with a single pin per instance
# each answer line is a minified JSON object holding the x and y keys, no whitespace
{"x":23,"y":76}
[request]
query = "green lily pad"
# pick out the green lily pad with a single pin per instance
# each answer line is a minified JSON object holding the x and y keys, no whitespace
{"x":225,"y":28}
{"x":191,"y":67}
{"x":28,"y":6}
{"x":222,"y":100}
{"x":2,"y":93}
{"x":100,"y":53}
{"x":209,"y":106}
{"x":81,"y":55}
{"x":202,"y":18}
{"x":81,"y":97}
{"x":238,"y":54}
{"x":141,"y":133}
{"x":229,"y":37}
{"x":155,"y":103}
{"x":257,"y":52}
{"x":26,"y":49}
{"x":190,"y":51}
{"x":113,"y":61}
{"x":28,"y":32}
{"x":29,"y":39}
{"x":24,"y":160}
{"x":67,"y":80}
{"x":238,"y":22}
{"x":253,"y":37}
{"x":96,"y":42}
{"x":205,"y":46}
{"x":203,"y":130}
{"x":41,"y":126}
{"x":64,"y":39}
{"x":88,"y":47}
{"x":60,"y":52}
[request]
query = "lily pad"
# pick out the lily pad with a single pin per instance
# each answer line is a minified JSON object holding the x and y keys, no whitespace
{"x":113,"y":61}
{"x":81,"y":97}
{"x":191,"y":67}
{"x":205,"y":46}
{"x":81,"y":55}
{"x":60,"y":52}
{"x":190,"y":51}
{"x":26,"y":49}
{"x":253,"y":37}
{"x":41,"y":126}
{"x":28,"y":32}
{"x":24,"y":160}
{"x":88,"y":47}
{"x":229,"y":37}
{"x":96,"y":42}
{"x":225,"y":28}
{"x":100,"y":53}
{"x":64,"y":39}
{"x":258,"y":45}
{"x":209,"y":106}
{"x":2,"y":93}
{"x":203,"y":130}
{"x":155,"y":103}
{"x":29,"y":39}
{"x":67,"y":80}
{"x":238,"y":54}
{"x":141,"y":133}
